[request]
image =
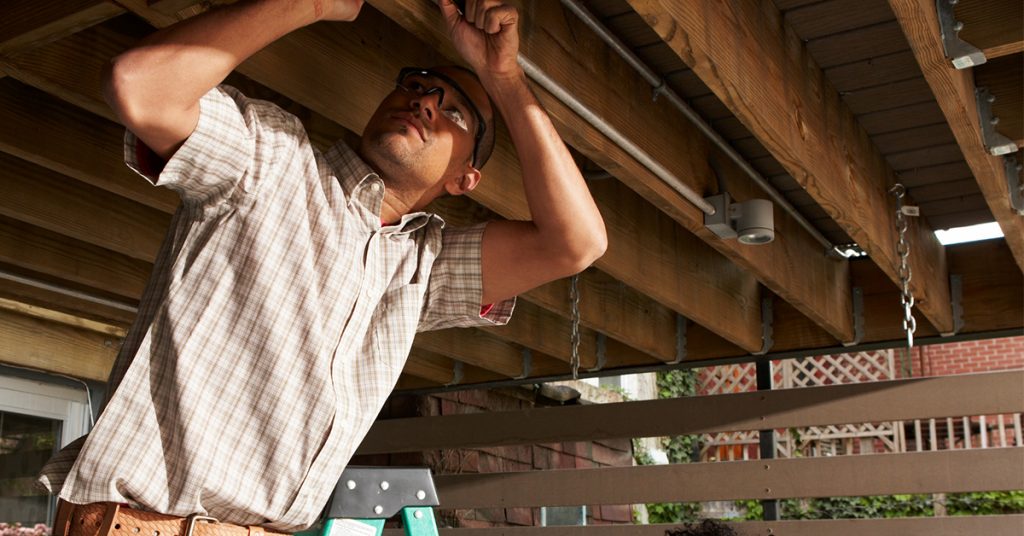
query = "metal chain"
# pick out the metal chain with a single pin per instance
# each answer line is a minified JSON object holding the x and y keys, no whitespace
{"x":903,"y":250}
{"x":574,"y":339}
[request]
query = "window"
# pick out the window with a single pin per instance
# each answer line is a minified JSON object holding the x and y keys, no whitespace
{"x":36,"y":420}
{"x":551,"y":516}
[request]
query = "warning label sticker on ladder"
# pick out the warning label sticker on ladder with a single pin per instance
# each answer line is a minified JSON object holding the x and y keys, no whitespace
{"x":351,"y":527}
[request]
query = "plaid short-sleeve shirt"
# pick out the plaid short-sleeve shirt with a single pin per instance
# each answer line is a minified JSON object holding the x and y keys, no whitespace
{"x":278,"y":317}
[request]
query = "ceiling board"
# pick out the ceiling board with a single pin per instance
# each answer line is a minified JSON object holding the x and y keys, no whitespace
{"x":857,"y":45}
{"x":820,"y":19}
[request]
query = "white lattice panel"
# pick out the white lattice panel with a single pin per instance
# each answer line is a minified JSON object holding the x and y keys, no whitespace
{"x":806,"y":372}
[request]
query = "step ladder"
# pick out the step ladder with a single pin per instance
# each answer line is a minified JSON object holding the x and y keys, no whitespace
{"x":366,"y":497}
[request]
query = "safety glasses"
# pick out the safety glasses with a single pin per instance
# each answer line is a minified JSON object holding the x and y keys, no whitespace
{"x":423,"y":82}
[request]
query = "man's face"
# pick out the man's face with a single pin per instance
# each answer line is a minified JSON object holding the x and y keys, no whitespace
{"x":426,"y":129}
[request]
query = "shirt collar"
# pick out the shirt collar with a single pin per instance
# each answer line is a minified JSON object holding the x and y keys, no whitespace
{"x":358,"y":180}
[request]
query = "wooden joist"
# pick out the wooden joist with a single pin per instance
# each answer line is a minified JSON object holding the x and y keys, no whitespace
{"x":52,"y":254}
{"x":34,"y":295}
{"x":49,"y":200}
{"x":763,"y":73}
{"x":954,"y":90}
{"x":28,"y":23}
{"x":51,"y":346}
{"x":75,"y":321}
{"x":67,"y":140}
{"x":994,"y":26}
{"x":441,"y":370}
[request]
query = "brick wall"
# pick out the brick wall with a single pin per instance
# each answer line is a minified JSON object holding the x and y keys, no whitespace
{"x":970,"y":356}
{"x":501,"y":459}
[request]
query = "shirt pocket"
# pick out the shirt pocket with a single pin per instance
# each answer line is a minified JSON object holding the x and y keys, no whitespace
{"x":394,"y":325}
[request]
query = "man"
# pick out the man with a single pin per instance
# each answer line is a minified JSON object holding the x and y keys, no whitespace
{"x":285,"y":298}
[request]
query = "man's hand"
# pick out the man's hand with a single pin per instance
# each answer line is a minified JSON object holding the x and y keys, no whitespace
{"x":566,"y":233}
{"x":486,"y":35}
{"x":155,"y":87}
{"x":337,"y":10}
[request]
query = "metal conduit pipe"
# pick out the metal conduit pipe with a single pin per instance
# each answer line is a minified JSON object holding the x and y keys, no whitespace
{"x":70,"y":292}
{"x":661,"y":88}
{"x":617,"y":137}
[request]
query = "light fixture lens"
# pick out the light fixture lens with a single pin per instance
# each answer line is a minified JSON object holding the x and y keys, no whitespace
{"x":754,"y":239}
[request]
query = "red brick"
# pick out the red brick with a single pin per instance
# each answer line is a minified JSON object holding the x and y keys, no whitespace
{"x":606,"y":456}
{"x":542,"y":458}
{"x":617,"y":513}
{"x":474,"y":524}
{"x":469,"y":461}
{"x":563,"y":461}
{"x":581,"y":448}
{"x":476,"y":397}
{"x":519,"y":516}
{"x":584,"y":463}
{"x":494,"y":515}
{"x":490,"y":464}
{"x":521,"y":453}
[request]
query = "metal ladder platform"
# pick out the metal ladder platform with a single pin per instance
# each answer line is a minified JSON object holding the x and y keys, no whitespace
{"x":366,"y":497}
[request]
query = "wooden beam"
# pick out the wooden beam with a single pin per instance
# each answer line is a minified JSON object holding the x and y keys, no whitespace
{"x":604,"y":82}
{"x":28,"y":23}
{"x":53,"y":347}
{"x":954,"y":90}
{"x":763,"y":73}
{"x":74,"y":306}
{"x":994,"y":26}
{"x":977,"y":394}
{"x":45,"y":252}
{"x":440,"y":370}
{"x":69,"y":141}
{"x":46,"y":199}
{"x":484,"y":350}
{"x":932,"y":526}
{"x":993,"y":286}
{"x":993,"y":299}
{"x":880,"y":474}
{"x":611,"y":307}
{"x":59,"y":317}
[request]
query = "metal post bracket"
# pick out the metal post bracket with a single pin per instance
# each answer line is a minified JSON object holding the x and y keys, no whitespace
{"x":766,"y":327}
{"x":956,"y":295}
{"x":602,"y":352}
{"x":960,"y":52}
{"x":995,"y":143}
{"x":857,"y":297}
{"x":681,"y":324}
{"x":527,"y":363}
{"x":1014,"y":183}
{"x":457,"y":374}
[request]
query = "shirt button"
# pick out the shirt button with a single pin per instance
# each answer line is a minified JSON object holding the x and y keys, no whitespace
{"x":375,"y":187}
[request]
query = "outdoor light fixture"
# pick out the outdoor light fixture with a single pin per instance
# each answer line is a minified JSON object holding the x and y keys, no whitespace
{"x":750,"y":222}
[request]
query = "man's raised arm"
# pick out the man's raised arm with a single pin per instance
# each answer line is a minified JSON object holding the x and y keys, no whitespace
{"x":155,"y":87}
{"x":566,"y":233}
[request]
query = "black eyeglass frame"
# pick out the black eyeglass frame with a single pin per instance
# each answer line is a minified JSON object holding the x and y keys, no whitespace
{"x":481,"y":124}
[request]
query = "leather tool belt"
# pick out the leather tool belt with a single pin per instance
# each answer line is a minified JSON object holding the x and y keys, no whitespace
{"x":112,"y":519}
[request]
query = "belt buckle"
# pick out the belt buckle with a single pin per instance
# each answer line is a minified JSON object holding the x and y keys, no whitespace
{"x":192,"y":519}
